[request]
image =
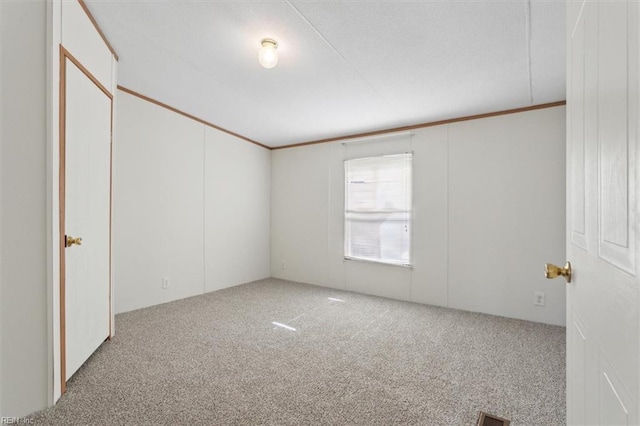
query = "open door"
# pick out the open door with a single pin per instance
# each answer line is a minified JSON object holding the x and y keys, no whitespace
{"x":85,"y":206}
{"x":603,"y":358}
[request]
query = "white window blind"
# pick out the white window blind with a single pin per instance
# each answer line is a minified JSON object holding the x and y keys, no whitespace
{"x":378,"y":209}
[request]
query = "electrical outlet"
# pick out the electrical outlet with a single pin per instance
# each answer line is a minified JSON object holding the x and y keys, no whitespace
{"x":165,"y":283}
{"x":283,"y":265}
{"x":538,"y":298}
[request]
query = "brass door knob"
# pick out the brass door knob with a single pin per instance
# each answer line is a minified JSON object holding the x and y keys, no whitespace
{"x":552,"y":271}
{"x":69,"y":241}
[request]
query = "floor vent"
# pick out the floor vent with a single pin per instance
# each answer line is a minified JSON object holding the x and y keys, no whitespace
{"x":485,"y":419}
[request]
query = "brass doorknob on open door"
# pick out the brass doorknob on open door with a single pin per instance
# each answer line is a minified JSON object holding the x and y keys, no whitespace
{"x":552,"y":271}
{"x":69,"y":241}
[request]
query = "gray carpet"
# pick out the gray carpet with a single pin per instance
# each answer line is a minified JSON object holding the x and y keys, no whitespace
{"x":217,"y":359}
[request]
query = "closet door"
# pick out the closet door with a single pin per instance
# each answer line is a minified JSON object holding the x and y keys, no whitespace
{"x":85,"y":215}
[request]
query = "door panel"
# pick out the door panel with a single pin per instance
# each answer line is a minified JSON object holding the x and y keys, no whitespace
{"x":614,"y":243}
{"x":87,"y":215}
{"x":602,"y":127}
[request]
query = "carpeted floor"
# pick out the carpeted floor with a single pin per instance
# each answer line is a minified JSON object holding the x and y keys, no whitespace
{"x":347,"y":358}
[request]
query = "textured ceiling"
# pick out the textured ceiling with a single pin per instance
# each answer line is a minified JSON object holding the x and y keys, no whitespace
{"x":345,"y":66}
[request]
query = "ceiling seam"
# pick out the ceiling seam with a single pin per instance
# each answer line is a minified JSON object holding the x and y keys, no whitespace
{"x":328,"y":43}
{"x":528,"y":37}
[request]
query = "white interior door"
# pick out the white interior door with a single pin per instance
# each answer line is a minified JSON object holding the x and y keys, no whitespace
{"x":602,"y":213}
{"x":86,"y":215}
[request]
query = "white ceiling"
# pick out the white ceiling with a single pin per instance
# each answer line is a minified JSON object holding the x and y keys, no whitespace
{"x":345,"y":66}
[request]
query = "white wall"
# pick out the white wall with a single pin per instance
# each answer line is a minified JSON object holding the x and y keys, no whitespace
{"x":24,"y":360}
{"x":489,"y":211}
{"x":507,"y":192}
{"x":191,"y":204}
{"x":237,"y":223}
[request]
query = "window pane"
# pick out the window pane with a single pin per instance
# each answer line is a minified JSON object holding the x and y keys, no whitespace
{"x":378,"y":209}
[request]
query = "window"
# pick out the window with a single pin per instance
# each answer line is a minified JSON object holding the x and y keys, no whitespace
{"x":377,"y":216}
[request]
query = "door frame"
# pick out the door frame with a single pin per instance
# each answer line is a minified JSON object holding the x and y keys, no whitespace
{"x":64,"y":55}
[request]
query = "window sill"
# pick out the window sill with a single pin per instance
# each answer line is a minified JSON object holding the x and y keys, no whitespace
{"x":379,"y":262}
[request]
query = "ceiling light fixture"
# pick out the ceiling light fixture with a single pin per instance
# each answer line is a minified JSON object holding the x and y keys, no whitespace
{"x":268,"y":55}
